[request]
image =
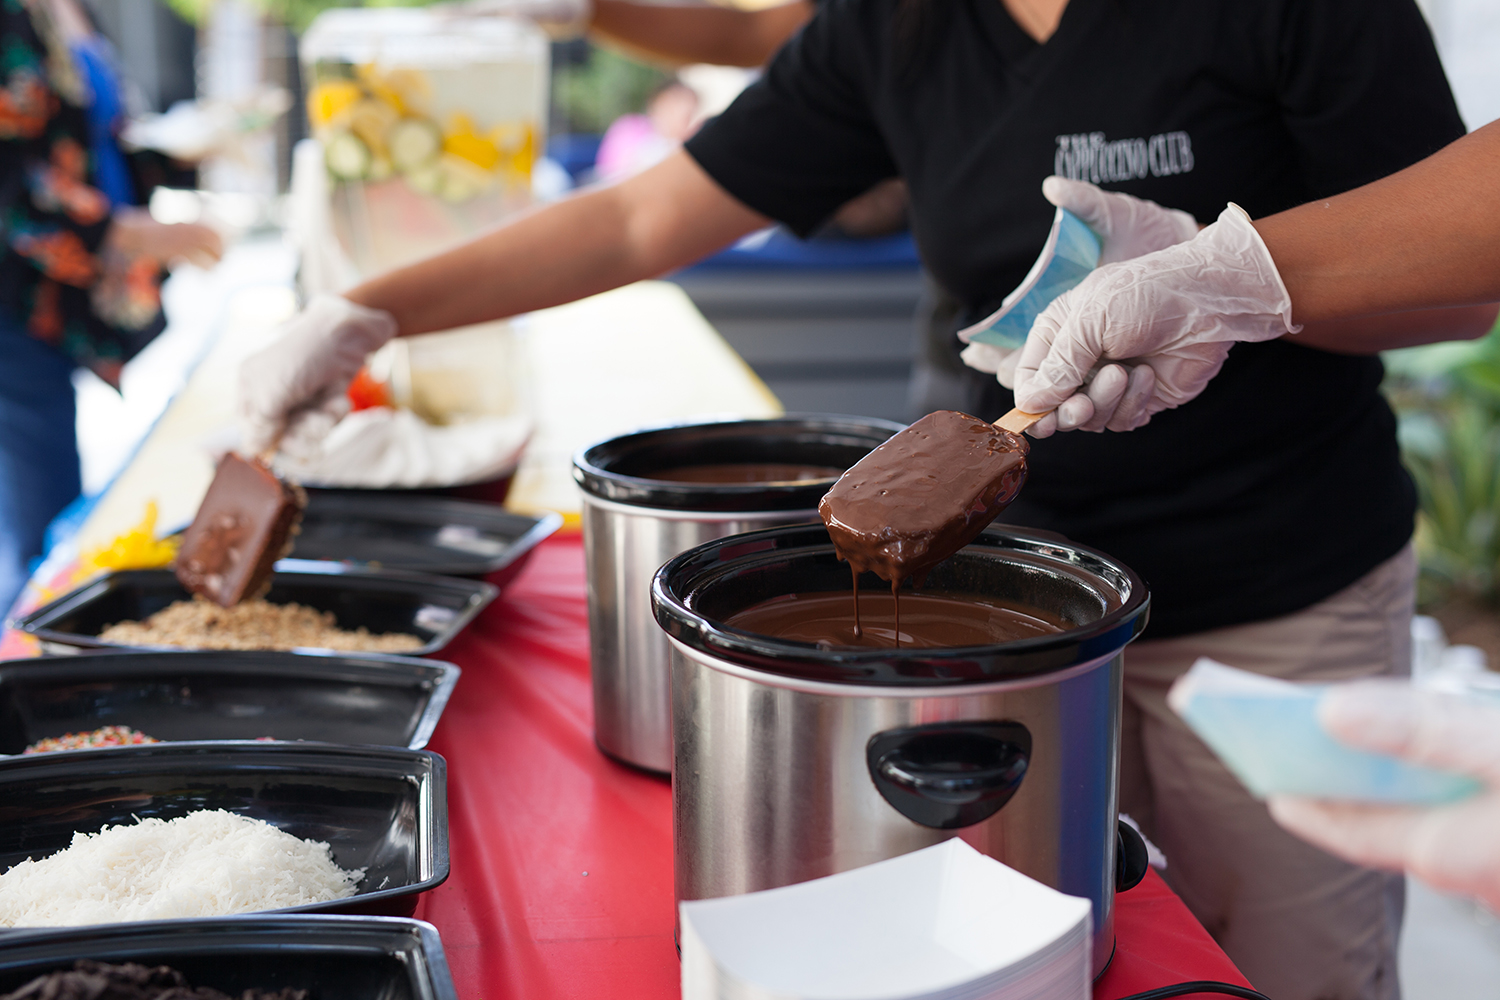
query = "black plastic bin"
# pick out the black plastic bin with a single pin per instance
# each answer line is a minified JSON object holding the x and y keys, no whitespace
{"x":333,"y":957}
{"x":363,"y":698}
{"x":433,"y":608}
{"x":379,"y":808}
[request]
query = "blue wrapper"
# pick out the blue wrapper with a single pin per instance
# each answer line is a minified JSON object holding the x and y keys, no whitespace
{"x":1070,"y":253}
{"x":1267,"y":732}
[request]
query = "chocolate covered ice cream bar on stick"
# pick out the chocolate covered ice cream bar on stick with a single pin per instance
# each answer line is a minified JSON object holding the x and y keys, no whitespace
{"x":926,"y":493}
{"x":245,"y":523}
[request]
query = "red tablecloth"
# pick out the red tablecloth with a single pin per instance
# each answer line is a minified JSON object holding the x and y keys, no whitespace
{"x":562,"y":859}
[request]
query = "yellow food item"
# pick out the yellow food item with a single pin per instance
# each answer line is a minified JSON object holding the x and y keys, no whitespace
{"x":371,"y":120}
{"x":465,"y":143}
{"x":513,"y":138}
{"x":373,"y":81}
{"x":517,"y":143}
{"x":329,"y":99}
{"x":476,"y":149}
{"x":411,"y":87}
{"x":406,"y":90}
{"x":463,"y":179}
{"x":138,"y":548}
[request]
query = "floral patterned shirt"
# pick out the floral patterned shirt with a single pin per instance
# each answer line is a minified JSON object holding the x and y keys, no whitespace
{"x":56,"y":278}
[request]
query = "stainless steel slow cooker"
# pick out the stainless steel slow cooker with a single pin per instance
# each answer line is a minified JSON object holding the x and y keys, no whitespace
{"x":794,"y":761}
{"x":631,"y":525}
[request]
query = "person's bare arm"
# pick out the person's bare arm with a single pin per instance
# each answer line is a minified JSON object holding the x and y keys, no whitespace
{"x":699,"y":34}
{"x":1395,"y":250}
{"x":1387,"y":331}
{"x":662,"y":218}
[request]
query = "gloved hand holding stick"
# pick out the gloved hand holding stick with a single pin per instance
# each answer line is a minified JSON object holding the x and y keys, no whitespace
{"x":1396,"y":263}
{"x":1161,"y":325}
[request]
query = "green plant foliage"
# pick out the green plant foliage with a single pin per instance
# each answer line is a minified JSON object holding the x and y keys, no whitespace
{"x":1458,"y":482}
{"x":296,"y":14}
{"x":590,"y":96}
{"x":192,"y":11}
{"x":1448,"y":400}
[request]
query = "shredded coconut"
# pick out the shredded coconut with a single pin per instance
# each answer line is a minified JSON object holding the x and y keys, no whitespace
{"x":205,"y":864}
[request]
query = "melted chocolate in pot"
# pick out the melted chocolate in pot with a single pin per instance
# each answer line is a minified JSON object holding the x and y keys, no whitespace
{"x":928,"y":621}
{"x":746,"y":472}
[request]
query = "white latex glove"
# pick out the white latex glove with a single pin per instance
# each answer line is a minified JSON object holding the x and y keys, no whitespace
{"x":1127,"y":226}
{"x":561,"y":19}
{"x":1163,"y":322}
{"x":994,"y":360}
{"x":292,"y":393}
{"x":1455,"y":847}
{"x":381,"y":448}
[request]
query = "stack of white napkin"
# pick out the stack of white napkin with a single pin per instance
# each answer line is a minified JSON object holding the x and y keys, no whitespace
{"x":946,"y":923}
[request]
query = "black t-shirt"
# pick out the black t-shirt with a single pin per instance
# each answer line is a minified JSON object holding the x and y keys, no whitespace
{"x":1279,"y":485}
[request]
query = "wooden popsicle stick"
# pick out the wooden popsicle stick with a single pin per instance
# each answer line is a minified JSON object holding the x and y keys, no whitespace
{"x":1019,"y":421}
{"x":268,"y":454}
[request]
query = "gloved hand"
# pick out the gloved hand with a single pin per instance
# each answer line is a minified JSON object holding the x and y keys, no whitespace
{"x":133,"y":233}
{"x":561,"y":19}
{"x":292,"y":392}
{"x":1128,"y":227}
{"x":1145,"y":335}
{"x":1454,"y":847}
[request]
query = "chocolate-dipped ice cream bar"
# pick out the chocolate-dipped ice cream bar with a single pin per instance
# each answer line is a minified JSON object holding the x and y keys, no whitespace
{"x":245,"y":523}
{"x":923,"y":495}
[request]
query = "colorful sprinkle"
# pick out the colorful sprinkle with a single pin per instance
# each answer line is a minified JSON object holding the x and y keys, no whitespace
{"x":108,"y":736}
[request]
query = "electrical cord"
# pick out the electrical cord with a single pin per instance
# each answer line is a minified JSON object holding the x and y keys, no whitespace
{"x":1198,"y":986}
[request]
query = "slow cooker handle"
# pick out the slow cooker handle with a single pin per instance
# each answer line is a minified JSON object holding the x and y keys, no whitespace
{"x":947,"y":775}
{"x":1131,"y":857}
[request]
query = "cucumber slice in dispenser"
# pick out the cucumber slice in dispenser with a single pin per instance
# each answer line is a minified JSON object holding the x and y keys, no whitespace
{"x":413,"y":143}
{"x":347,"y":157}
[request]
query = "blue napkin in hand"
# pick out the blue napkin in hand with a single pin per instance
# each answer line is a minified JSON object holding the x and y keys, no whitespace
{"x":1266,"y":731}
{"x":1070,"y":253}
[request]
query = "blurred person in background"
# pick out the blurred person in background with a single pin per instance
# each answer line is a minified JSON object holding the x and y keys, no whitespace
{"x":1271,"y":516}
{"x":79,"y":266}
{"x":634,"y":142}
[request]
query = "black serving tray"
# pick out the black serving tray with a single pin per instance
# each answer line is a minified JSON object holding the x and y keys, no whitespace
{"x":380,"y":808}
{"x":355,"y":698}
{"x":433,"y":608}
{"x":424,"y":534}
{"x":333,"y":957}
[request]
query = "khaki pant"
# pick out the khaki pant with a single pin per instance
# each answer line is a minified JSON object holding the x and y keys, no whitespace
{"x":1299,"y":923}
